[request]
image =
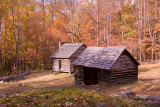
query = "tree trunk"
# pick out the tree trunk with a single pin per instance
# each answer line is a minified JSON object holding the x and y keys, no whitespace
{"x":0,"y":47}
{"x":97,"y":23}
{"x":52,"y":15}
{"x":43,"y":7}
{"x":140,"y":30}
{"x":152,"y":49}
{"x":17,"y":45}
{"x":14,"y":38}
{"x":104,"y":32}
{"x":110,"y":27}
{"x":107,"y":30}
{"x":155,"y":23}
{"x":72,"y":25}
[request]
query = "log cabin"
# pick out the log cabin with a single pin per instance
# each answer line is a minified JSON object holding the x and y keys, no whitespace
{"x":64,"y":57}
{"x":105,"y":66}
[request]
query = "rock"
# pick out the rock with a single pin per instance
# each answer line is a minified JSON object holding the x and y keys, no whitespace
{"x":22,"y":84}
{"x":151,"y":103}
{"x":100,"y":104}
{"x":153,"y":98}
{"x":2,"y":96}
{"x":124,"y":94}
{"x":130,"y":94}
{"x":96,"y":90}
{"x":120,"y":95}
{"x":142,"y":97}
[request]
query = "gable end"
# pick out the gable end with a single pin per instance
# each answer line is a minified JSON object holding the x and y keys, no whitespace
{"x":125,"y":61}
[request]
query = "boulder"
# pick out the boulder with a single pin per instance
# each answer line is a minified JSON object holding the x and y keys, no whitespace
{"x":96,"y":90}
{"x":142,"y":97}
{"x":130,"y":94}
{"x":120,"y":95}
{"x":151,"y":103}
{"x":153,"y":98}
{"x":124,"y":94}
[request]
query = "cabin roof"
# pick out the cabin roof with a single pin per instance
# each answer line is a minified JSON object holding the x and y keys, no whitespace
{"x":66,"y":50}
{"x":100,"y":57}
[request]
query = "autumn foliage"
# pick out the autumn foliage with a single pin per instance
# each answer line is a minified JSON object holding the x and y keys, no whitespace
{"x":31,"y":29}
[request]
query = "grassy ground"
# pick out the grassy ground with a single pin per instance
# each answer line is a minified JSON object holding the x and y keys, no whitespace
{"x":62,"y":98}
{"x":148,"y":83}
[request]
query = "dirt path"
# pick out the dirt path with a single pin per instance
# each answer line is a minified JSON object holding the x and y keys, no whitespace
{"x":38,"y":81}
{"x":148,"y":83}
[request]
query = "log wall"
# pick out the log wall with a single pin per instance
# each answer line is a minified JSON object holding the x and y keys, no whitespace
{"x":67,"y":64}
{"x":124,"y":70}
{"x":75,"y":56}
{"x":78,"y":75}
{"x":104,"y":77}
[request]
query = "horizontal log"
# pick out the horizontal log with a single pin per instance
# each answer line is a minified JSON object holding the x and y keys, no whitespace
{"x":123,"y":76}
{"x":114,"y":73}
{"x":117,"y":79}
{"x":119,"y":74}
{"x":124,"y":80}
{"x":124,"y":69}
{"x":130,"y":70}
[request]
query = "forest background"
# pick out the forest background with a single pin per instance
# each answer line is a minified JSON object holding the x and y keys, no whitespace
{"x":30,"y":30}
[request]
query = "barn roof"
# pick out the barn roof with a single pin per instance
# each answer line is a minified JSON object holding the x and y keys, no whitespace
{"x":66,"y":50}
{"x":100,"y":57}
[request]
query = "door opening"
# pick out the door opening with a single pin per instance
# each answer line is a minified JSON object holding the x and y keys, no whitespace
{"x":91,"y":76}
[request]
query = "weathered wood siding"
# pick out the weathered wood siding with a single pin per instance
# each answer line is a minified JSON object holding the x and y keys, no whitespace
{"x":75,"y":56}
{"x":124,"y":70}
{"x":71,"y":62}
{"x":104,"y":77}
{"x":65,"y":65}
{"x":79,"y":75}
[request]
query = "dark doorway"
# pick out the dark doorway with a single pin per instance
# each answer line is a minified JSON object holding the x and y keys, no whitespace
{"x":90,"y":76}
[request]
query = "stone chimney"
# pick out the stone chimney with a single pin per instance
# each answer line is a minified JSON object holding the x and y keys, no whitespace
{"x":61,"y":43}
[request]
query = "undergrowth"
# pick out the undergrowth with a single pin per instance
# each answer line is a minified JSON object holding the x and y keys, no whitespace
{"x":61,"y":98}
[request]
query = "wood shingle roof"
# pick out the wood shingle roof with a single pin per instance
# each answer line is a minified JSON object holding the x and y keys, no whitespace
{"x":66,"y":50}
{"x":100,"y":57}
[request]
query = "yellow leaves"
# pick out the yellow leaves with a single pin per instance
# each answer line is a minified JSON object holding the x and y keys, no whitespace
{"x":157,"y":28}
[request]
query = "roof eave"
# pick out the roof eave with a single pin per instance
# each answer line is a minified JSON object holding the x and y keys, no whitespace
{"x":91,"y":67}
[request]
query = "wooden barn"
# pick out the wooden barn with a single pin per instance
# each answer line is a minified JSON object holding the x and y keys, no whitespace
{"x":105,"y":66}
{"x":64,"y":57}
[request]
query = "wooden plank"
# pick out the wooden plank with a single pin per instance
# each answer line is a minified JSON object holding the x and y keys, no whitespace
{"x":112,"y":73}
{"x":124,"y":79}
{"x":128,"y":76}
{"x":117,"y":75}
